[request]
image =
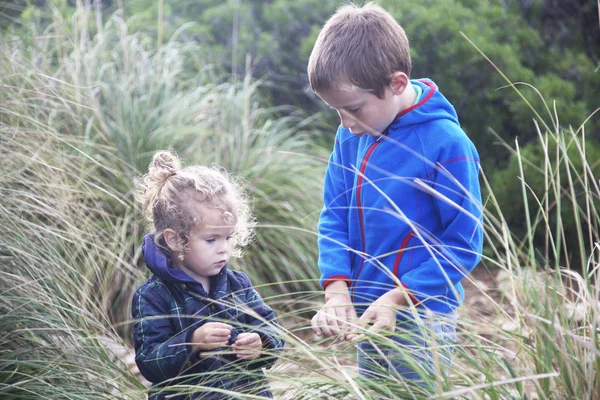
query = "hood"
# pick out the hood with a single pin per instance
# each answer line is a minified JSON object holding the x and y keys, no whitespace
{"x":159,"y":264}
{"x":432,"y":106}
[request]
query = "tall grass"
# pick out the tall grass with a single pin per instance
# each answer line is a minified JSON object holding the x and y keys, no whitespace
{"x":81,"y":115}
{"x":58,"y":253}
{"x":80,"y":118}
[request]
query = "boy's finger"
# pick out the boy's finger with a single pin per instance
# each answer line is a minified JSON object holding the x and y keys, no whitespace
{"x":314,"y":322}
{"x":358,"y":326}
{"x":331,"y":324}
{"x":324,"y":325}
{"x":381,"y":325}
{"x":341,"y":317}
{"x":349,"y":319}
{"x":355,"y":338}
{"x":378,"y":326}
{"x":361,"y":322}
{"x":351,"y":315}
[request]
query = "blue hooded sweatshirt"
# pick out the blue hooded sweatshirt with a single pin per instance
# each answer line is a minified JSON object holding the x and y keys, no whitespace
{"x":169,"y":307}
{"x":403,"y":208}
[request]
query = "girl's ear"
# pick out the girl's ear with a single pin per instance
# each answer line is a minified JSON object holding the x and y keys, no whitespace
{"x":398,"y":82}
{"x":172,"y":240}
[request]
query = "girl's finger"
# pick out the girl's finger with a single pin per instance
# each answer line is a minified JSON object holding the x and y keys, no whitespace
{"x":246,"y":353}
{"x":242,"y":342}
{"x":219,"y":325}
{"x":246,"y":338}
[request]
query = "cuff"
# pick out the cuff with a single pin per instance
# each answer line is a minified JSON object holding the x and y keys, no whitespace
{"x":194,"y":356}
{"x":334,"y":278}
{"x":411,"y":296}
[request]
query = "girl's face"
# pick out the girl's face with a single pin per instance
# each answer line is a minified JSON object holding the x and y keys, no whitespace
{"x":209,"y":246}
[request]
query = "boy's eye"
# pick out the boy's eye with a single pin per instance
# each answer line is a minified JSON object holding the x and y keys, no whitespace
{"x":228,"y":237}
{"x":210,"y":240}
{"x":354,"y":110}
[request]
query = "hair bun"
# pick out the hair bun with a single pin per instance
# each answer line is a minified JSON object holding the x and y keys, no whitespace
{"x":164,"y":165}
{"x":165,"y":160}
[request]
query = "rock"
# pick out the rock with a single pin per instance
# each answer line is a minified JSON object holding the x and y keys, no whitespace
{"x":575,"y":311}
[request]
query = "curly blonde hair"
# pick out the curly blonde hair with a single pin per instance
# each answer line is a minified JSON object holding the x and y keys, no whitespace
{"x":173,"y":198}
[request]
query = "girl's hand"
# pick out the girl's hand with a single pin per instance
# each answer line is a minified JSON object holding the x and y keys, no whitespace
{"x":382,"y":314}
{"x":248,"y":345}
{"x":337,"y":314}
{"x":211,"y":335}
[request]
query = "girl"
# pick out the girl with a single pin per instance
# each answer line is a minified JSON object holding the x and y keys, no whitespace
{"x":198,"y":324}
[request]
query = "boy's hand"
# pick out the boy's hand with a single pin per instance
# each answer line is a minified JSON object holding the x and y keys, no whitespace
{"x":382,"y":313}
{"x":211,"y":335}
{"x":337,"y":314}
{"x":248,"y":345}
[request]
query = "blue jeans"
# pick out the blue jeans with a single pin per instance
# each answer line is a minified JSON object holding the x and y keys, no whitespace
{"x":419,"y":347}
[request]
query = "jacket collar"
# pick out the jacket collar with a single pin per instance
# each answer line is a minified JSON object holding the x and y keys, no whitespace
{"x":161,"y":266}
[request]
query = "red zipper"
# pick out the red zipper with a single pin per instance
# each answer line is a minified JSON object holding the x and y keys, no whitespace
{"x":363,"y":167}
{"x":401,"y":253}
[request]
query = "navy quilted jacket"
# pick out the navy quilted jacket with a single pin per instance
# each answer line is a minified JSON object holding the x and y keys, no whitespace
{"x":167,"y":309}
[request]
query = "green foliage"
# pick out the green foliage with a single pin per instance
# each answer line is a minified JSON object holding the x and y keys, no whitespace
{"x":81,"y":119}
{"x":557,"y":170}
{"x":273,"y":33}
{"x":122,"y":98}
{"x":470,"y":83}
{"x":64,"y":254}
{"x":279,"y":35}
{"x":522,"y":38}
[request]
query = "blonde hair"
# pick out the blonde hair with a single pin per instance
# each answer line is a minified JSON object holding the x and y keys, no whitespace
{"x":173,"y":198}
{"x":358,"y":48}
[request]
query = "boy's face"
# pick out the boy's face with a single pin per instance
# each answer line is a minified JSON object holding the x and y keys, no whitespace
{"x":362,"y":112}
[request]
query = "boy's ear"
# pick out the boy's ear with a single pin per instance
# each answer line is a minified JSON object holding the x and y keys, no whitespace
{"x":398,"y":82}
{"x":172,"y":240}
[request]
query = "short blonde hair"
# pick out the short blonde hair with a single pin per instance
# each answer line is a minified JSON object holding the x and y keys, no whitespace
{"x":173,"y":198}
{"x":360,"y":47}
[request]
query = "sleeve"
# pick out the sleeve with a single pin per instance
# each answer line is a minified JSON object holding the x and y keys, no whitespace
{"x":262,"y":320}
{"x":162,"y":351}
{"x":334,"y":256}
{"x":457,"y":200}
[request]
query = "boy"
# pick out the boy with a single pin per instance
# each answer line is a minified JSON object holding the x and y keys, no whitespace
{"x":401,"y":224}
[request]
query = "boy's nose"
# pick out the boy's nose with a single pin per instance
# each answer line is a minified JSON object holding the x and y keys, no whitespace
{"x":347,"y":121}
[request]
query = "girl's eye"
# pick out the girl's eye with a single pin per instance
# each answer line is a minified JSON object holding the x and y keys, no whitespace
{"x":228,"y":237}
{"x":210,"y":240}
{"x":354,"y":110}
